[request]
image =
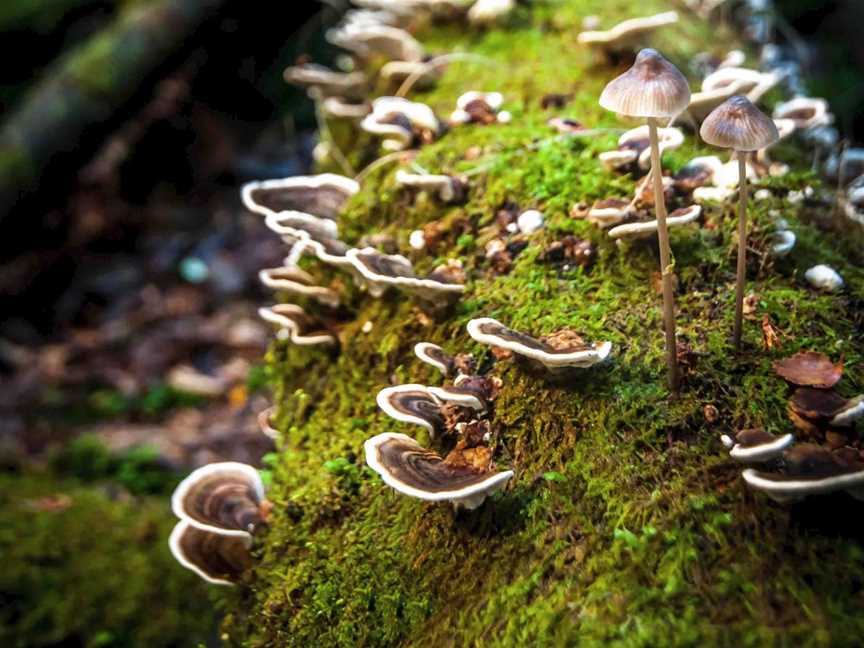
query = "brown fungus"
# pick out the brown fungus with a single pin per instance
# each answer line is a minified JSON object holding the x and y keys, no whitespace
{"x":296,"y":325}
{"x":218,"y":559}
{"x":756,"y":445}
{"x":413,"y":404}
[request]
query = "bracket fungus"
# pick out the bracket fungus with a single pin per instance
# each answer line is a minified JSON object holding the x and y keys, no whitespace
{"x":401,"y":123}
{"x":756,"y":445}
{"x":342,"y":108}
{"x":224,"y":498}
{"x":434,"y":355}
{"x":385,"y":270}
{"x":739,"y":125}
{"x":412,"y":470}
{"x":610,"y":211}
{"x":296,"y":325}
{"x":626,"y":35}
{"x":293,"y":279}
{"x":367,"y":41}
{"x":486,"y":12}
{"x":321,"y":196}
{"x":698,"y":172}
{"x":648,"y":228}
{"x":479,"y":108}
{"x":218,"y":559}
{"x":805,"y":112}
{"x":557,"y":352}
{"x":815,"y":410}
{"x":422,"y":74}
{"x":447,"y":188}
{"x":809,"y":369}
{"x":824,"y":277}
{"x":413,"y":404}
{"x":635,"y":146}
{"x":654,"y":89}
{"x":265,"y":423}
{"x":752,"y":83}
{"x":811,"y":470}
{"x":326,"y":82}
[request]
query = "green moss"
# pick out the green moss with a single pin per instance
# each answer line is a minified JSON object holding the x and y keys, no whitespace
{"x":91,"y":567}
{"x":626,"y":524}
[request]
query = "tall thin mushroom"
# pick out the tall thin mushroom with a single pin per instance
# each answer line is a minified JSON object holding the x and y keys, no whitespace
{"x":654,"y":89}
{"x":739,"y":125}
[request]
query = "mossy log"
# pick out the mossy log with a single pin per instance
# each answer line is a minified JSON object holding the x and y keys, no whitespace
{"x":87,"y":87}
{"x":626,"y":523}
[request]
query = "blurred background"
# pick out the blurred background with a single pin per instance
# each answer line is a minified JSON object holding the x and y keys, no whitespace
{"x":129,"y":347}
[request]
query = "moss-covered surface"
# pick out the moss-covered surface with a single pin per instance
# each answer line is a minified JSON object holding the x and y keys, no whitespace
{"x":626,"y":523}
{"x":87,"y":564}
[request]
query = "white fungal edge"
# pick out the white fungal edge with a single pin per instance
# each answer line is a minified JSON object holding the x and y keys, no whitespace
{"x":443,"y":184}
{"x":404,"y":282}
{"x":174,"y":543}
{"x":470,"y":497}
{"x":322,"y":254}
{"x":322,"y":294}
{"x":605,"y":217}
{"x":285,"y":323}
{"x":649,"y":227}
{"x":267,"y":429}
{"x":418,"y":114}
{"x":275,"y":223}
{"x":581,"y":359}
{"x":421,"y":350}
{"x":383,"y":400}
{"x":203,"y":472}
{"x":492,"y":99}
{"x":798,"y":488}
{"x":306,"y":76}
{"x":783,"y":242}
{"x":763,"y":451}
{"x":669,"y":139}
{"x":628,"y":28}
{"x":744,"y":79}
{"x":819,"y":106}
{"x":338,"y":108}
{"x":853,"y":410}
{"x":356,"y":38}
{"x":484,"y":12}
{"x":463,"y":400}
{"x":347,"y":185}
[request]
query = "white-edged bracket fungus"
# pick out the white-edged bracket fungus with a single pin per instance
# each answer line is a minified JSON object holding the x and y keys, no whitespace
{"x":648,"y":228}
{"x":294,"y":280}
{"x":479,"y":108}
{"x":447,"y":188}
{"x":698,"y":172}
{"x":425,"y":74}
{"x":401,"y":122}
{"x":654,"y":89}
{"x":805,"y":112}
{"x":756,"y":445}
{"x":434,"y":355}
{"x":752,"y":83}
{"x":634,"y":145}
{"x":218,"y":559}
{"x":413,"y":404}
{"x":811,"y":470}
{"x":610,"y":211}
{"x":326,"y":82}
{"x":553,"y":353}
{"x":296,"y":325}
{"x":368,"y":41}
{"x":487,"y":12}
{"x":384,"y":270}
{"x":225,"y":498}
{"x":342,"y":108}
{"x":739,"y":125}
{"x":412,"y":470}
{"x":321,"y":196}
{"x":463,"y":396}
{"x":265,"y":423}
{"x":627,"y":34}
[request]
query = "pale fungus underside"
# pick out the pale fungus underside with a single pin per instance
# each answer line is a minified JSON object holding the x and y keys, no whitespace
{"x":626,"y":522}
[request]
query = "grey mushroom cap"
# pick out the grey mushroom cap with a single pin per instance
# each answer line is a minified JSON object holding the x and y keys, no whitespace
{"x":223,"y":498}
{"x":738,"y":124}
{"x":218,"y":559}
{"x":413,"y":470}
{"x":652,"y":87}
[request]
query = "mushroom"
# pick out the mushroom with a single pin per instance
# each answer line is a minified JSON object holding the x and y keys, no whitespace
{"x":447,"y":188}
{"x":383,"y":270}
{"x":741,"y":126}
{"x":434,"y":355}
{"x":703,"y":102}
{"x":265,"y":417}
{"x":756,"y":445}
{"x":654,"y":89}
{"x":224,"y":498}
{"x":647,"y":228}
{"x":610,"y":211}
{"x":824,"y":277}
{"x":487,"y":12}
{"x":557,"y":352}
{"x":413,"y":470}
{"x":635,"y":145}
{"x":296,"y":325}
{"x":814,"y":410}
{"x":342,"y":108}
{"x":218,"y":559}
{"x":712,"y":194}
{"x":398,"y":71}
{"x":401,"y":122}
{"x":625,"y":34}
{"x":295,"y":280}
{"x":809,"y":369}
{"x":319,"y":195}
{"x":461,"y":396}
{"x":412,"y":404}
{"x":750,"y":82}
{"x":782,"y":242}
{"x":566,"y":126}
{"x":479,"y":108}
{"x":529,"y":221}
{"x":805,"y":112}
{"x":811,"y":470}
{"x":294,"y":224}
{"x":698,"y":172}
{"x":325,"y":81}
{"x":368,"y":41}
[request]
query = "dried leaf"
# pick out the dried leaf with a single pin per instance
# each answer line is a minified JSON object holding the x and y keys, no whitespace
{"x":809,"y":369}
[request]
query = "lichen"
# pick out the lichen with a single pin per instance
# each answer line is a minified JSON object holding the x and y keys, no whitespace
{"x":626,"y":523}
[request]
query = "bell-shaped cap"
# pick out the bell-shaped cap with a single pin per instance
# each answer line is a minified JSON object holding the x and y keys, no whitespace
{"x":224,"y":498}
{"x":738,"y":124}
{"x":218,"y":559}
{"x":652,"y":87}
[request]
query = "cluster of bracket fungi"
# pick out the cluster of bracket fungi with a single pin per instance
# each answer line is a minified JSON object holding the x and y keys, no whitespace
{"x":221,"y":505}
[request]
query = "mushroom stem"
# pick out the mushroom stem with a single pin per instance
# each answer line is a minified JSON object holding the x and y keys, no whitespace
{"x":742,"y":248}
{"x":665,"y":261}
